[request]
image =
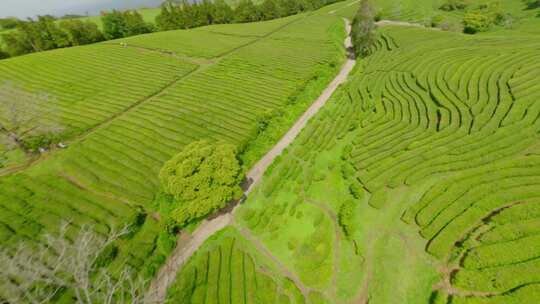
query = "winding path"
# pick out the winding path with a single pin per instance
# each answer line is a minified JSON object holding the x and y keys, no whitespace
{"x":189,"y":243}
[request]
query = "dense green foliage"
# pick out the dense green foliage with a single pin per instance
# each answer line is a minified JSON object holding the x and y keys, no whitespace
{"x":119,"y":24}
{"x":202,"y":179}
{"x":9,"y":23}
{"x":35,"y":36}
{"x":363,"y":28}
{"x":81,"y":33}
{"x":45,"y":33}
{"x":453,"y":5}
{"x":186,"y":14}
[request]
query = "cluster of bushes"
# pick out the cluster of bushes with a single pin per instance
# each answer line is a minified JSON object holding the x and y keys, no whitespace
{"x":47,"y":33}
{"x":454,"y":5}
{"x":532,"y":4}
{"x":188,"y":14}
{"x":483,"y":18}
{"x":476,"y":19}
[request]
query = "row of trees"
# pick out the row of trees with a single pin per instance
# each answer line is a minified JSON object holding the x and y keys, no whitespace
{"x":186,"y":14}
{"x":46,"y":33}
{"x":363,"y":28}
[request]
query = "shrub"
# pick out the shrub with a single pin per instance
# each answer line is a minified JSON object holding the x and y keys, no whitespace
{"x":166,"y":243}
{"x":474,"y":22}
{"x":346,"y":217}
{"x":356,"y":190}
{"x":454,"y":5}
{"x":347,"y":171}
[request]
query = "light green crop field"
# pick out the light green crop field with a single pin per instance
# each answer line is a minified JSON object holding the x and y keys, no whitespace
{"x":435,"y":140}
{"x":126,"y":110}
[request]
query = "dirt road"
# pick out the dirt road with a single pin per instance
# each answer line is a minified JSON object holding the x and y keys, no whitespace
{"x":188,"y":244}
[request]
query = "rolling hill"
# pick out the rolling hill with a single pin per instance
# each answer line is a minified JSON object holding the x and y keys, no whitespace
{"x":124,"y":110}
{"x":417,"y":182}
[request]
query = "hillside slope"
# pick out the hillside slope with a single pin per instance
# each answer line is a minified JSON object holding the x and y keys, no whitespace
{"x":418,"y":183}
{"x":125,"y":110}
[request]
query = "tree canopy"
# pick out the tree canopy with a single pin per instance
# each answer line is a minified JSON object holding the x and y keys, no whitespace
{"x":118,"y":24}
{"x":81,"y":33}
{"x":363,"y":28}
{"x":202,"y":179}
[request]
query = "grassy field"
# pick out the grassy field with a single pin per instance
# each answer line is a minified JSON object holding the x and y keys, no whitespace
{"x":435,"y":142}
{"x":125,"y":110}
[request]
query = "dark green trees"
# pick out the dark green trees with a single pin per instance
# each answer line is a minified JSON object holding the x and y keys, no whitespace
{"x":34,"y":36}
{"x":363,"y":29}
{"x":201,"y":179}
{"x":117,"y":24}
{"x":246,"y":11}
{"x":184,"y":14}
{"x":454,"y":5}
{"x":223,"y":13}
{"x":9,"y":23}
{"x":81,"y":33}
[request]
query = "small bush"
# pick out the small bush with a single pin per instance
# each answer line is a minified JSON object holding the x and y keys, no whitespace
{"x":165,"y":243}
{"x":346,"y":217}
{"x":475,"y":22}
{"x":356,"y":190}
{"x":454,"y":5}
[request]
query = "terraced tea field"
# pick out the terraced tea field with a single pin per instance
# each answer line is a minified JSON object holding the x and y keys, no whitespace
{"x":458,"y":128}
{"x":417,"y":183}
{"x":125,"y":110}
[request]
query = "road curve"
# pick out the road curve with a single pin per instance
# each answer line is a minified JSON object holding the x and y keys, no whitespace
{"x":189,"y":243}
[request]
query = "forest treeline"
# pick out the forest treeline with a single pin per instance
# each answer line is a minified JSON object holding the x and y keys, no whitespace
{"x":47,"y":32}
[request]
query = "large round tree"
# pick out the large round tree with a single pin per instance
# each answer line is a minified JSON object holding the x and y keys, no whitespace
{"x":202,"y":178}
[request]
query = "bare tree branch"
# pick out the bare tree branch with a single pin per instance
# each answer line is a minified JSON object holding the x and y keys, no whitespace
{"x":38,"y":274}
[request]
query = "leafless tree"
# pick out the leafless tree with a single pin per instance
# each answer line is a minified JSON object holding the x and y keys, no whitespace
{"x":22,"y":112}
{"x":38,"y":274}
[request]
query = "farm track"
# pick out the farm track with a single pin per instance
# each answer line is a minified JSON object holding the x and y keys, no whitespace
{"x":207,"y":228}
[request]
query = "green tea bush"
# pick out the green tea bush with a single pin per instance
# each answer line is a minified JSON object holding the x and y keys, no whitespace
{"x":346,"y":217}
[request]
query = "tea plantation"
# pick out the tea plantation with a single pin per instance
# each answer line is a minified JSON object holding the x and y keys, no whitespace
{"x":417,"y":183}
{"x":124,"y":109}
